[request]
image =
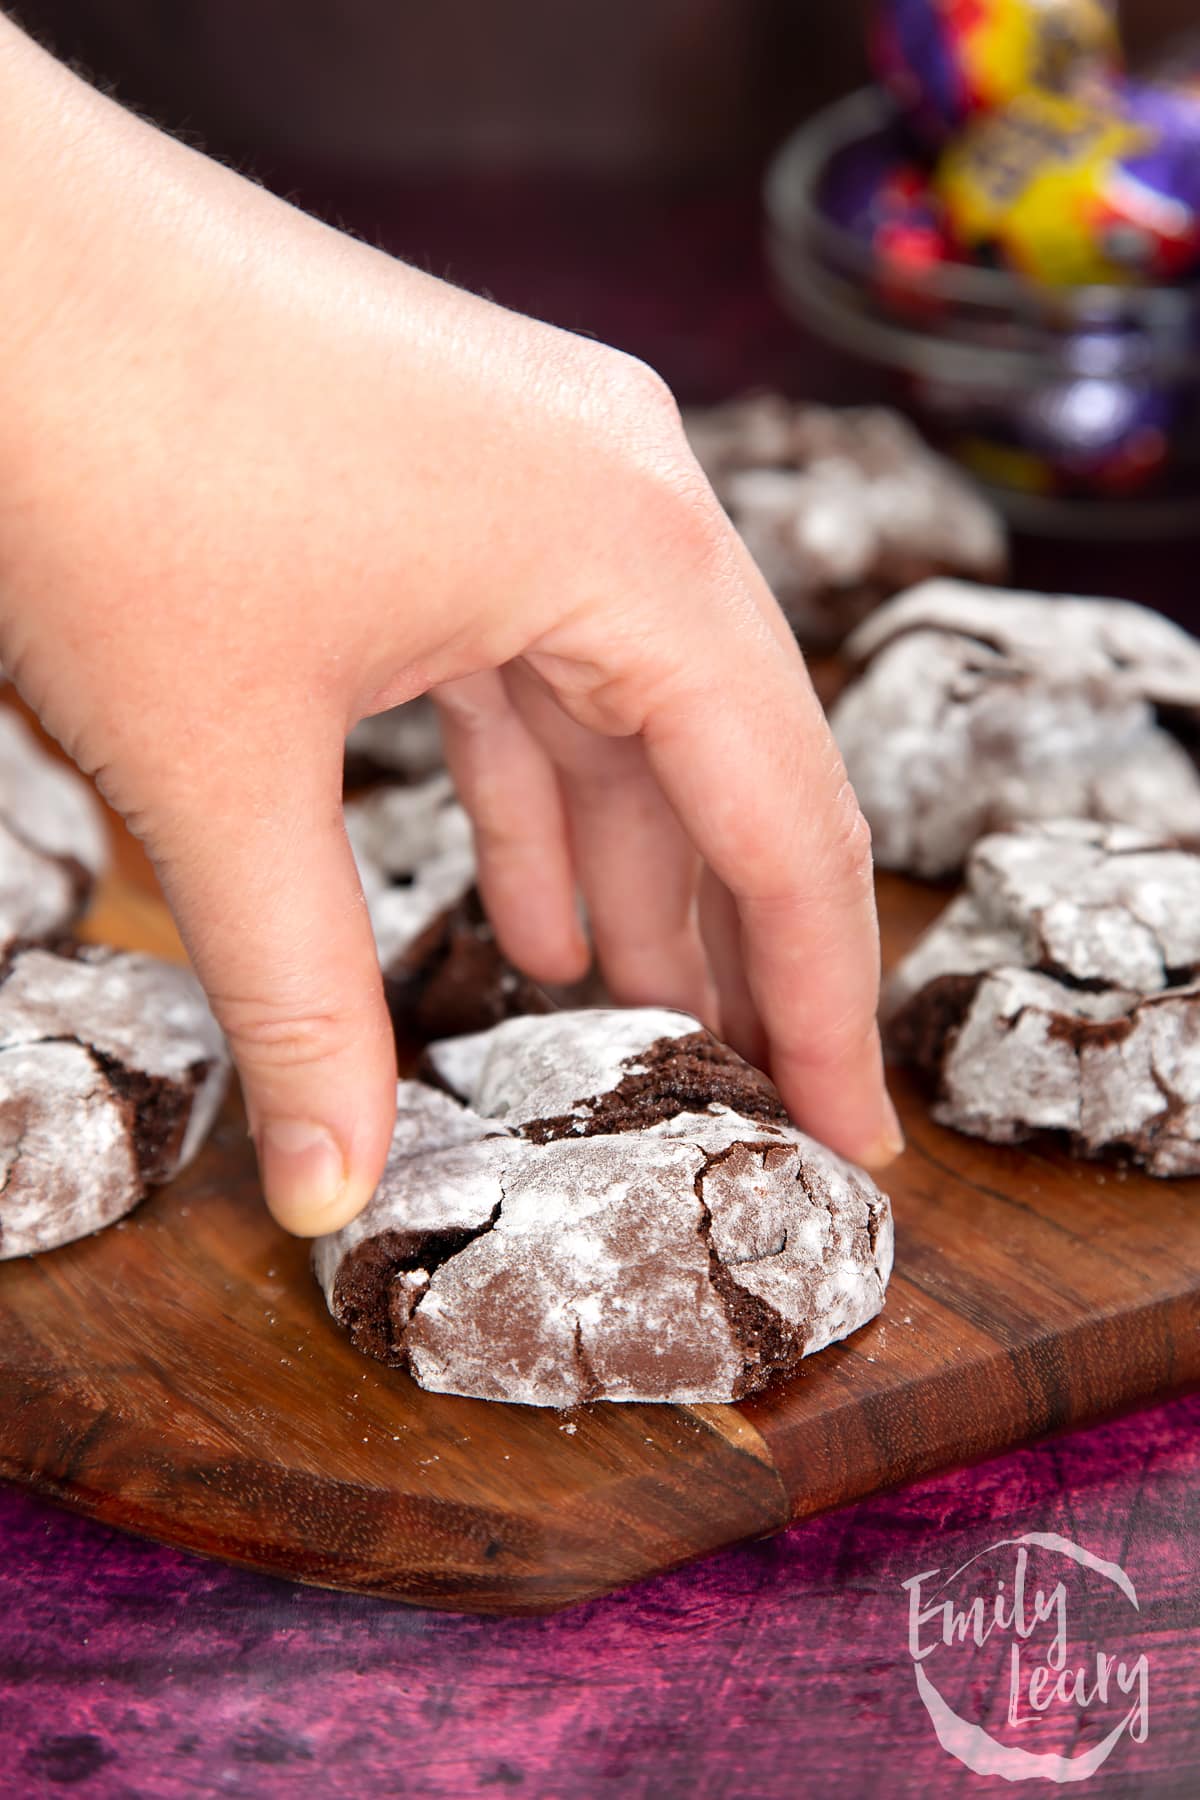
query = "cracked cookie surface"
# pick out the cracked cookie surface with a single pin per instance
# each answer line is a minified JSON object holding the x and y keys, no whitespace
{"x":112,"y":1069}
{"x":443,"y":971}
{"x":977,"y":709}
{"x":605,"y":1204}
{"x":1061,"y":993}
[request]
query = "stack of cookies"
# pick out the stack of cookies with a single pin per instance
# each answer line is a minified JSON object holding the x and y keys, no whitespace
{"x":1043,"y":749}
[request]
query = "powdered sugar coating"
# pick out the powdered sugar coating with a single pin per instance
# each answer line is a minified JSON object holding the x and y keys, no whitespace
{"x":593,"y":1276}
{"x":112,"y":1069}
{"x":980,"y":708}
{"x":52,"y":837}
{"x":990,"y":999}
{"x":841,"y":508}
{"x":605,"y":1265}
{"x":1100,"y":637}
{"x":66,"y":1158}
{"x":540,"y":1068}
{"x":47,"y":803}
{"x":147,"y":1013}
{"x":415,"y":857}
{"x":39,"y":896}
{"x":405,"y":741}
{"x":797,"y":1226}
{"x":1106,"y":904}
{"x":461,"y":1196}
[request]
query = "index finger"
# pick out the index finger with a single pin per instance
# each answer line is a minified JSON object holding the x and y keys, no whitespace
{"x":738,"y":740}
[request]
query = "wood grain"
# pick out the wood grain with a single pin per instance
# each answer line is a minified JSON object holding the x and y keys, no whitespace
{"x":178,"y":1375}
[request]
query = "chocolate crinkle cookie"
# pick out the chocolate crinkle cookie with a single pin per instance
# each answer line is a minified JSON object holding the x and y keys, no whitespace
{"x":402,"y":744}
{"x":443,"y":971}
{"x":112,"y":1069}
{"x":53,"y":845}
{"x":1061,"y":993}
{"x":841,"y":509}
{"x":604,"y":1205}
{"x":977,"y":708}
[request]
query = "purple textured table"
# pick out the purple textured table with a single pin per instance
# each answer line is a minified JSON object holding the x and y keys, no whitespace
{"x":780,"y":1669}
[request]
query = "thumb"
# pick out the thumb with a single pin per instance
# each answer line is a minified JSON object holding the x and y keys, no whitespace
{"x":260,"y":877}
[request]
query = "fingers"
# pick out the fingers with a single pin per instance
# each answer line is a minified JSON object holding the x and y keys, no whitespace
{"x":722,"y":931}
{"x":634,"y":862}
{"x":737,"y":741}
{"x":511,"y":791}
{"x":736,"y":767}
{"x":697,"y":661}
{"x":826,"y":1057}
{"x":767,"y":803}
{"x":263,"y":885}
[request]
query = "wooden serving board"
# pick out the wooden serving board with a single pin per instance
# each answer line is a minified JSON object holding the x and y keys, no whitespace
{"x":178,"y":1375}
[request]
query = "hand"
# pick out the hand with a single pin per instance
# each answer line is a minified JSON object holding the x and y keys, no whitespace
{"x":257,"y":481}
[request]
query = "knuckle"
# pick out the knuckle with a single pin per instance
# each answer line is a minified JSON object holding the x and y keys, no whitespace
{"x":677,"y":511}
{"x":850,"y":837}
{"x":660,"y":500}
{"x":648,"y":426}
{"x":640,"y":389}
{"x":273,"y":1037}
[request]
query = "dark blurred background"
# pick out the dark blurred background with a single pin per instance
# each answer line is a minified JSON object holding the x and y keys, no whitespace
{"x":595,"y":164}
{"x":637,"y":88}
{"x":598,"y":165}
